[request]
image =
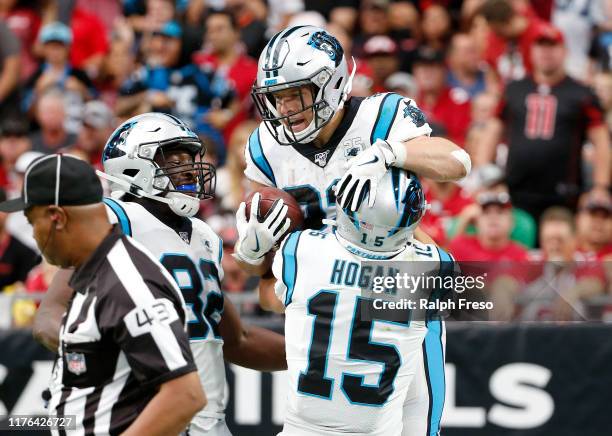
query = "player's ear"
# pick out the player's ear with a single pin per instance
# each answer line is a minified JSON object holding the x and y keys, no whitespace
{"x":58,"y":217}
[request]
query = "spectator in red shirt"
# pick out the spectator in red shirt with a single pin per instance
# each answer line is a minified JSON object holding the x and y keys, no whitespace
{"x":118,"y":64}
{"x":446,"y":109}
{"x":493,"y":227}
{"x":405,"y":24}
{"x":89,"y":42}
{"x":98,"y":123}
{"x":225,"y":54}
{"x":364,"y":77}
{"x":436,"y":27}
{"x":510,"y":37}
{"x":557,"y":236}
{"x":398,"y":20}
{"x":40,"y":277}
{"x":380,"y":53}
{"x":547,"y":117}
{"x":24,"y":22}
{"x":9,"y":71}
{"x":57,"y":71}
{"x":558,"y":285}
{"x":445,"y":200}
{"x":594,"y":222}
{"x":373,"y":20}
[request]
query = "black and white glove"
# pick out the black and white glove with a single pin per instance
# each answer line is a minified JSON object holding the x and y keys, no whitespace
{"x":364,"y":172}
{"x":255,"y":238}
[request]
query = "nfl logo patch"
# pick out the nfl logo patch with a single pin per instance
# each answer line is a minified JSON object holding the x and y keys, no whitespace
{"x":76,"y":363}
{"x":184,"y":236}
{"x":321,"y":158}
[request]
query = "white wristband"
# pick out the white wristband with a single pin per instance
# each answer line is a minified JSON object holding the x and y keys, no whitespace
{"x":399,"y":150}
{"x":464,"y":159}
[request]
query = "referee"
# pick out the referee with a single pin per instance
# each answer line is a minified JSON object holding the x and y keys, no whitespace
{"x":124,"y":363}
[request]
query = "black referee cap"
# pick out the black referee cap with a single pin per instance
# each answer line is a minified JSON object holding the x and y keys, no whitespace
{"x":58,"y":180}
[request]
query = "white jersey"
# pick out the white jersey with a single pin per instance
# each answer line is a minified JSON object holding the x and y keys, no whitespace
{"x":192,"y":254}
{"x":347,"y":374}
{"x":310,"y":173}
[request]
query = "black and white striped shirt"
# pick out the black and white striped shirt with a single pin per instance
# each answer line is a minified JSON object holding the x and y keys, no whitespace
{"x":122,"y":336}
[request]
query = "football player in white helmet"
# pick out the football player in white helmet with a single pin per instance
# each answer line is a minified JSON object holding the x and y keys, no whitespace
{"x":351,"y":368}
{"x":320,"y":145}
{"x":154,"y":163}
{"x":136,"y":161}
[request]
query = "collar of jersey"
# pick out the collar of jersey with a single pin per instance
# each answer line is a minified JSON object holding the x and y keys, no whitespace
{"x":84,"y":273}
{"x":366,"y":254}
{"x":179,"y":224}
{"x":309,"y":150}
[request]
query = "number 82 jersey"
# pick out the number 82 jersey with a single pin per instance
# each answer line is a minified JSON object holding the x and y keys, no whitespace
{"x":191,"y":252}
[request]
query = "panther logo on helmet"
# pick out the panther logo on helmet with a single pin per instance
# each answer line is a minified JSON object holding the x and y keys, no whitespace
{"x":111,"y":150}
{"x":324,"y":41}
{"x":134,"y":162}
{"x":385,"y":228}
{"x":305,"y":61}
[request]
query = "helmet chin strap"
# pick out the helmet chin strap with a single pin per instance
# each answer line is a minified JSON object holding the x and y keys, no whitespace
{"x":180,"y":204}
{"x":349,"y":85}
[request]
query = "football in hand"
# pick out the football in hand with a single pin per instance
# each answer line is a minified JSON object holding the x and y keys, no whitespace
{"x":268,"y":198}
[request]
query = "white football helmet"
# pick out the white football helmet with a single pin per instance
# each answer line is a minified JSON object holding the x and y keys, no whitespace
{"x":381,"y":231}
{"x":129,"y":159}
{"x":295,"y":57}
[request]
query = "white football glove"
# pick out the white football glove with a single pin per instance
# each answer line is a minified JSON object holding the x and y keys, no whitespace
{"x":255,"y":238}
{"x":364,"y":172}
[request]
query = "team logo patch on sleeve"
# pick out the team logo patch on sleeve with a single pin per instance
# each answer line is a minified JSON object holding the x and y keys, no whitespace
{"x":207,"y":246}
{"x":75,"y":363}
{"x":418,"y":118}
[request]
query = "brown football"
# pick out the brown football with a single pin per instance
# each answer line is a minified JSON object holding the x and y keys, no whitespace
{"x":269,"y":196}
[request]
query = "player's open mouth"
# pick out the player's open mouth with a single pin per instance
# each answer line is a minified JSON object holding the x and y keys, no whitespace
{"x":297,"y":124}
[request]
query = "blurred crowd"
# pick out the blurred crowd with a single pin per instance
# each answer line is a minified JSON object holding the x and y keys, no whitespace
{"x":524,"y":86}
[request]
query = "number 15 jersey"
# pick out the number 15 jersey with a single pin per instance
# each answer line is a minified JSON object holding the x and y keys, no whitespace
{"x":348,"y":373}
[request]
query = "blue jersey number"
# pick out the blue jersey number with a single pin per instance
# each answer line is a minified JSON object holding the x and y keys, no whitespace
{"x":322,"y":307}
{"x":310,"y":198}
{"x":193,"y":282}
